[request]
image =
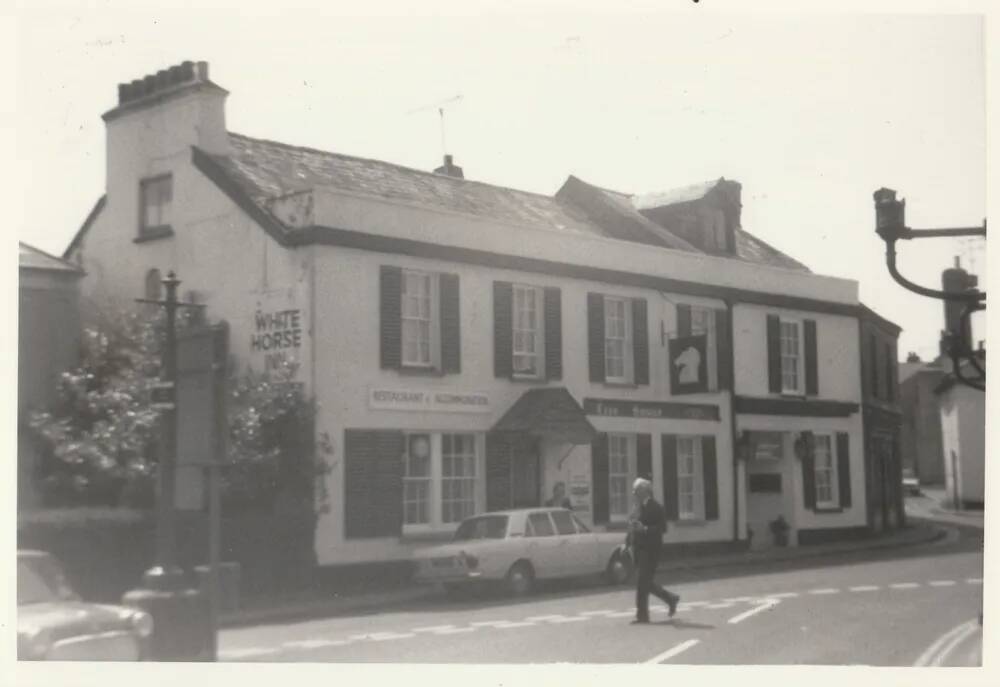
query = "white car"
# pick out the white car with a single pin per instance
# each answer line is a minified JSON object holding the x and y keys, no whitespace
{"x":518,"y":547}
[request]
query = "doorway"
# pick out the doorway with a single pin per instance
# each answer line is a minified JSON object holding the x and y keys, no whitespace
{"x":525,"y":469}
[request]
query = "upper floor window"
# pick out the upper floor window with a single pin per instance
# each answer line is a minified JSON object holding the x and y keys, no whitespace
{"x":890,"y":378}
{"x":156,"y":200}
{"x":791,"y":357}
{"x":418,"y":319}
{"x":617,"y":340}
{"x":528,"y":331}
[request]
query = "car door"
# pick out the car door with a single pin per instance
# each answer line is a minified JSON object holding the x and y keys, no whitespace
{"x":574,"y":552}
{"x":543,"y":544}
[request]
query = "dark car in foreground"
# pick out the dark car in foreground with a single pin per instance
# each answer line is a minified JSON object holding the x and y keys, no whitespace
{"x":54,"y":624}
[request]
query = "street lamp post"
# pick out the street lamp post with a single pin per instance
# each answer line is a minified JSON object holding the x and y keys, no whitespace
{"x":890,"y":225}
{"x":179,"y":618}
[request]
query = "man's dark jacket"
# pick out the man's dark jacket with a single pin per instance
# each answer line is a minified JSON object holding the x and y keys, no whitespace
{"x":652,"y":515}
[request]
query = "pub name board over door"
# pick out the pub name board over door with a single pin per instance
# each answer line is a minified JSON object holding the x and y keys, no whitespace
{"x":609,"y":407}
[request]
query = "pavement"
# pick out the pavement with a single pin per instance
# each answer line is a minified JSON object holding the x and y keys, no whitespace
{"x":903,"y":605}
{"x":311,"y":607}
{"x":932,"y":504}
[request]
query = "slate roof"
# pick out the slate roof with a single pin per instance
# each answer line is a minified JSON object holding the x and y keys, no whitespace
{"x":548,"y":410}
{"x":684,"y":194}
{"x":33,"y":258}
{"x":266,"y":169}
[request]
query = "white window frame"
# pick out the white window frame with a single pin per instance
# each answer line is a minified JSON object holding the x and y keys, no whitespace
{"x":432,"y":319}
{"x":626,"y":340}
{"x":799,"y":356}
{"x":435,"y":494}
{"x":156,"y":200}
{"x":538,"y":351}
{"x":468,"y":480}
{"x":427,"y":479}
{"x":708,"y":328}
{"x":621,"y":447}
{"x":689,"y":447}
{"x":827,"y":470}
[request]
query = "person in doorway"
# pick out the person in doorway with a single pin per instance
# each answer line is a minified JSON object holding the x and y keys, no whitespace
{"x":559,"y":498}
{"x":646,"y":530}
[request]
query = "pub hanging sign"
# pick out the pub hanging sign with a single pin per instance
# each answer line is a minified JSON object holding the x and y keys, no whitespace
{"x":689,"y":364}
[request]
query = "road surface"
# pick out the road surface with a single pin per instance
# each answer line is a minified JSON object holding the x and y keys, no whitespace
{"x":890,"y":608}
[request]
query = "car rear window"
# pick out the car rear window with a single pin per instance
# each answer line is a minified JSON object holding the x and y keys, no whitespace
{"x":485,"y":527}
{"x":541,"y":525}
{"x":564,"y":522}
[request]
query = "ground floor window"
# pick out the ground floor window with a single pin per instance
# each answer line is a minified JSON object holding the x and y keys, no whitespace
{"x":621,"y":474}
{"x":441,"y":479}
{"x":690,"y":491}
{"x":825,"y":466}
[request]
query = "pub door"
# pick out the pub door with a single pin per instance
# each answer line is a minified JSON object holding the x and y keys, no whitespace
{"x":526,"y":473}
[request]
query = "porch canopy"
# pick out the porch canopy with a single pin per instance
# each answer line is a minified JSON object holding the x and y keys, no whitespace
{"x":550,"y":412}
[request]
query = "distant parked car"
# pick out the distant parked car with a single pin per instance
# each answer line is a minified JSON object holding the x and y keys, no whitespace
{"x":911,"y":483}
{"x":517,"y":547}
{"x":54,"y":624}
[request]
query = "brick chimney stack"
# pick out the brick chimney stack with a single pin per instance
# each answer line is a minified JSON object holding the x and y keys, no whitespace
{"x":450,"y":169}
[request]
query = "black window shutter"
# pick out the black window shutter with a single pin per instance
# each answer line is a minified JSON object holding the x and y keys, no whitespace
{"x":774,"y":354}
{"x":451,"y":325}
{"x":724,"y":349}
{"x":373,"y":483}
{"x":553,"y":333}
{"x":808,"y":471}
{"x":391,"y":316}
{"x":599,"y":475}
{"x":670,"y":501}
{"x":644,"y":455}
{"x":503,"y":329}
{"x":710,"y":477}
{"x":812,"y":364}
{"x":498,"y":487}
{"x":640,"y":341}
{"x":595,"y":335}
{"x":844,"y":469}
{"x":683,"y":319}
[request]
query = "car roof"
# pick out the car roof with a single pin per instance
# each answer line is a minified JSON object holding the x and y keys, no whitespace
{"x":32,"y":553}
{"x":519,"y":511}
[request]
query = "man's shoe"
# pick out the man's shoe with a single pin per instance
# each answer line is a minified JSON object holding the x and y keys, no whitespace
{"x":674,"y":600}
{"x":640,"y":621}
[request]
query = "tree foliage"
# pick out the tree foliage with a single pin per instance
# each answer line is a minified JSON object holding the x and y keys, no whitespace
{"x":101,"y":434}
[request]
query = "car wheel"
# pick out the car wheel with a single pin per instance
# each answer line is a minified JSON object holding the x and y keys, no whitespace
{"x":619,"y":569}
{"x":520,"y":578}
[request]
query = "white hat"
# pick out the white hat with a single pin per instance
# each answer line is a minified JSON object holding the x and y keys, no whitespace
{"x":641,"y":483}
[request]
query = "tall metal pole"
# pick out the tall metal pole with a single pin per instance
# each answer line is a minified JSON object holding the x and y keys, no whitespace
{"x":166,"y":545}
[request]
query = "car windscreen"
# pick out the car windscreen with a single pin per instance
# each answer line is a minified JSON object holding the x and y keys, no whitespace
{"x":486,"y":527}
{"x":33,"y":586}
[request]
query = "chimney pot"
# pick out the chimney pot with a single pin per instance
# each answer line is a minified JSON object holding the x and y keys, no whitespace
{"x":176,"y":75}
{"x":149,"y":85}
{"x":203,"y":71}
{"x":187,"y":70}
{"x":124,"y":92}
{"x":958,"y":263}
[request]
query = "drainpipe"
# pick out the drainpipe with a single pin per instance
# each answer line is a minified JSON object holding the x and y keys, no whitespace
{"x":731,"y":383}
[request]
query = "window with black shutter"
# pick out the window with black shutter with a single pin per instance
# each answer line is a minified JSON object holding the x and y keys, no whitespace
{"x":595,"y":336}
{"x":710,"y":477}
{"x":420,"y":320}
{"x":599,"y":478}
{"x":390,"y":316}
{"x":553,"y":333}
{"x":373,"y":483}
{"x":844,"y":469}
{"x":669,"y":460}
{"x":774,"y":354}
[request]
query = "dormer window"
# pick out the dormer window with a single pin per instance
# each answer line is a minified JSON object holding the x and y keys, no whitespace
{"x":156,"y":197}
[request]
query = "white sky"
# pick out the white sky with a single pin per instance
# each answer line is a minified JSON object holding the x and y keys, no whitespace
{"x":811,"y":113}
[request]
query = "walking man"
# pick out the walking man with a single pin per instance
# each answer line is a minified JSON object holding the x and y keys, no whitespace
{"x":646,"y":536}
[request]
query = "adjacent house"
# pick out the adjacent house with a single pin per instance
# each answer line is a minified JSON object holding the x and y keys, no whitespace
{"x":48,"y":337}
{"x":920,"y":436}
{"x":471,"y":346}
{"x":963,"y":438}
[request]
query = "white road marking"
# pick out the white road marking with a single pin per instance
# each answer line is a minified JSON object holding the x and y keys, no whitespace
{"x":432,"y":628}
{"x":454,"y":630}
{"x":974,"y":580}
{"x":596,"y":612}
{"x":621,"y":614}
{"x":568,"y":619}
{"x":905,"y":585}
{"x":936,"y":652}
{"x":315,"y":643}
{"x":670,"y":653}
{"x":509,"y":625}
{"x":383,"y":636}
{"x":827,"y":590}
{"x":724,"y":604}
{"x":236,"y":654}
{"x":783,"y":595}
{"x":766,"y":606}
{"x":691,"y":604}
{"x":945,"y":653}
{"x":738,"y":599}
{"x":942,"y":583}
{"x":536,"y":618}
{"x":488,"y":623}
{"x":865,"y":588}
